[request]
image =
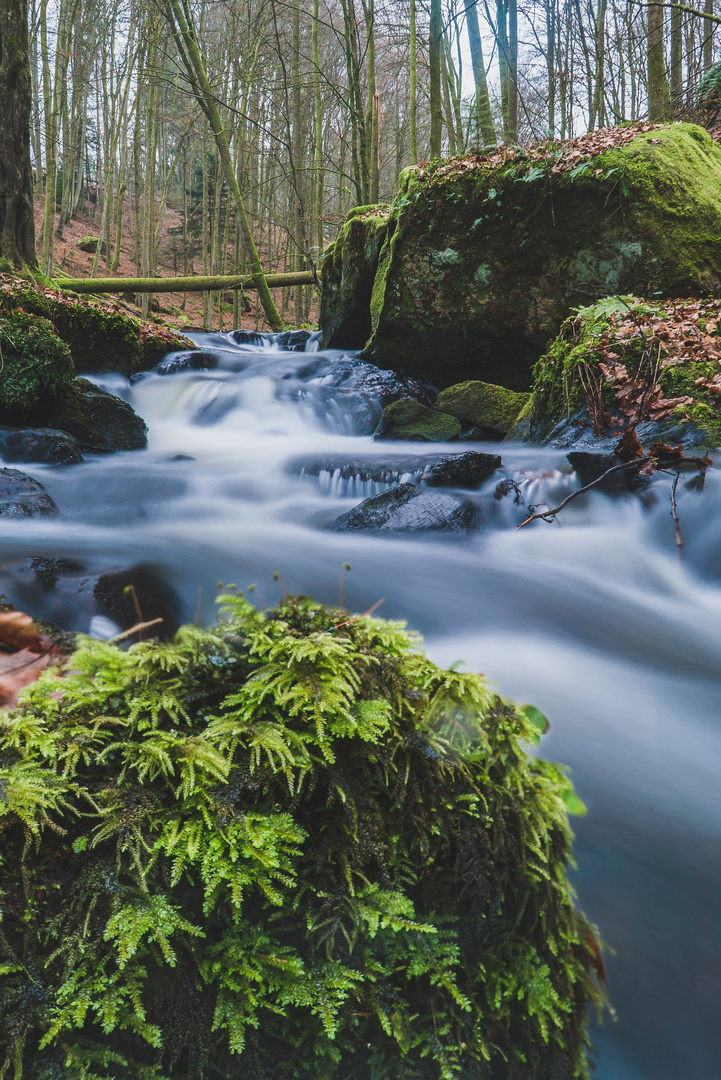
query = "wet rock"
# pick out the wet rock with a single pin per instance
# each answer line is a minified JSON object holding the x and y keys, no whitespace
{"x":21,"y":496}
{"x":138,"y":594}
{"x":348,"y":269}
{"x":469,"y":469}
{"x":44,"y":445}
{"x":178,"y":363}
{"x":90,"y":244}
{"x":249,"y":337}
{"x":408,"y":419}
{"x":348,"y":373}
{"x":462,"y":470}
{"x":590,"y":466}
{"x":411,"y":509}
{"x":99,"y":420}
{"x":292,"y":340}
{"x":71,"y":594}
{"x":490,"y":410}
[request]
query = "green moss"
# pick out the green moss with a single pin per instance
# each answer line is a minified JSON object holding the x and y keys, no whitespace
{"x":90,"y":244}
{"x":527,"y":242}
{"x":568,"y":379}
{"x":36,"y":367}
{"x":100,"y":339}
{"x":408,"y":419}
{"x":347,"y":275}
{"x":287,"y":847}
{"x":482,"y":404}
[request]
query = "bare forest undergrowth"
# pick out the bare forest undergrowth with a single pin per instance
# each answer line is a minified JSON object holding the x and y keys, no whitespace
{"x":177,"y":310}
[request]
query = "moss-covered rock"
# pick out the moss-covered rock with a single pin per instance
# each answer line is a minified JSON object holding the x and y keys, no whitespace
{"x":36,"y":366}
{"x":485,"y":257}
{"x":347,"y":274}
{"x":99,"y":420}
{"x":483,"y":405}
{"x":100,"y":338}
{"x":408,"y":419}
{"x":89,"y":244}
{"x":624,"y":363}
{"x":288,"y":847}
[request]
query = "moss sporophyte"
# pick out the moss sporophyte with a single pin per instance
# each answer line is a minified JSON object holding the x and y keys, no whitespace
{"x":286,"y":846}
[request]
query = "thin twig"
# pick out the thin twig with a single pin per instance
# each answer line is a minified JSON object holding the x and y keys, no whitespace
{"x":674,"y":514}
{"x":137,"y":629}
{"x":549,"y":515}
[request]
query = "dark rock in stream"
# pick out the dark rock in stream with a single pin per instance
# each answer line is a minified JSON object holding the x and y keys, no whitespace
{"x":178,"y":363}
{"x":138,"y":594}
{"x":411,"y":509}
{"x":292,"y":340}
{"x":468,"y":469}
{"x":349,"y":373}
{"x":590,"y":467}
{"x":409,"y":419}
{"x":70,"y":594}
{"x":21,"y":496}
{"x":43,"y":445}
{"x":99,"y":420}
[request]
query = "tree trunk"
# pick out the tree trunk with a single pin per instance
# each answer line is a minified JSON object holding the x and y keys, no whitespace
{"x":412,"y":86}
{"x":484,"y":120}
{"x":434,"y":61}
{"x":17,"y":226}
{"x":708,"y":26}
{"x":659,"y":104}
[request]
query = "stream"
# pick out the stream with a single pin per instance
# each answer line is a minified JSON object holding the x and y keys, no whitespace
{"x":596,"y":620}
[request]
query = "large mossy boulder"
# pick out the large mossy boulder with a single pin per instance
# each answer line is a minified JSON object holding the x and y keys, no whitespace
{"x":491,"y":408}
{"x":347,"y":273}
{"x":99,"y":420}
{"x":36,"y":367}
{"x":288,"y":847}
{"x":100,"y":338}
{"x":486,"y":256}
{"x":627,"y":363}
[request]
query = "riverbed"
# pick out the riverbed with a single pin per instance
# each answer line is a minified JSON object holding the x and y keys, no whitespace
{"x":596,"y":619}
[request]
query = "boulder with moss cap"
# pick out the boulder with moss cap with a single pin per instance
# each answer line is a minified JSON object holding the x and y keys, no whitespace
{"x":492,"y":409}
{"x":408,"y":419}
{"x":485,"y":256}
{"x":347,"y":273}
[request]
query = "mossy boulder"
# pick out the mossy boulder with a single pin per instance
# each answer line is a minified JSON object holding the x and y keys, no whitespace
{"x":483,"y":405}
{"x":36,"y":367}
{"x":89,"y":244}
{"x":485,"y":257}
{"x":100,"y":338}
{"x":408,"y":419}
{"x":286,"y":847}
{"x":347,"y":274}
{"x":626,"y":362}
{"x":99,"y":420}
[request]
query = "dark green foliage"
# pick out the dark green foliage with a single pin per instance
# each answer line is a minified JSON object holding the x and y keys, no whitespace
{"x":289,"y":846}
{"x":100,"y":338}
{"x":36,"y":365}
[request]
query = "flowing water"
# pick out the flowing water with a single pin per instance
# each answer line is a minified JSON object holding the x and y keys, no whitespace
{"x":595,"y":620}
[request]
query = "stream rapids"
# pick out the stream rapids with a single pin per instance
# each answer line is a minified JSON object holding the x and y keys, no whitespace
{"x":595,"y":620}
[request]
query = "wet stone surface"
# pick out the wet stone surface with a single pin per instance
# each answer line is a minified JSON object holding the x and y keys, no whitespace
{"x":21,"y":496}
{"x":43,"y":445}
{"x":411,"y":509}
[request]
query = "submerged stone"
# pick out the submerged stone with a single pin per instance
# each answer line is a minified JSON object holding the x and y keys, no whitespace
{"x":411,"y":509}
{"x":409,"y":419}
{"x":468,"y":469}
{"x":46,"y":445}
{"x":23,"y":496}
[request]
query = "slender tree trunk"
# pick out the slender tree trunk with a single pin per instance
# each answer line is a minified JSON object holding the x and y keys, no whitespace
{"x":676,"y":71}
{"x":17,"y":227}
{"x":484,"y":120}
{"x":434,"y":62}
{"x":318,"y":132}
{"x":413,"y":107}
{"x":708,"y":28}
{"x":659,"y":104}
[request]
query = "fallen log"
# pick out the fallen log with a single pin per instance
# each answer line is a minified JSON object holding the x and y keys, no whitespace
{"x":183,"y":284}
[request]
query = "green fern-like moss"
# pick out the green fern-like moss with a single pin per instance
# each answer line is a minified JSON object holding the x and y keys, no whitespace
{"x":288,"y":846}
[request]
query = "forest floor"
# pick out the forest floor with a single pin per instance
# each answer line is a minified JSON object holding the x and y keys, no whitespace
{"x":181,"y":311}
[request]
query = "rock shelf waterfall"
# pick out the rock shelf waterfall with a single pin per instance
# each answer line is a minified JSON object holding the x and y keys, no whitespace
{"x":594,"y":620}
